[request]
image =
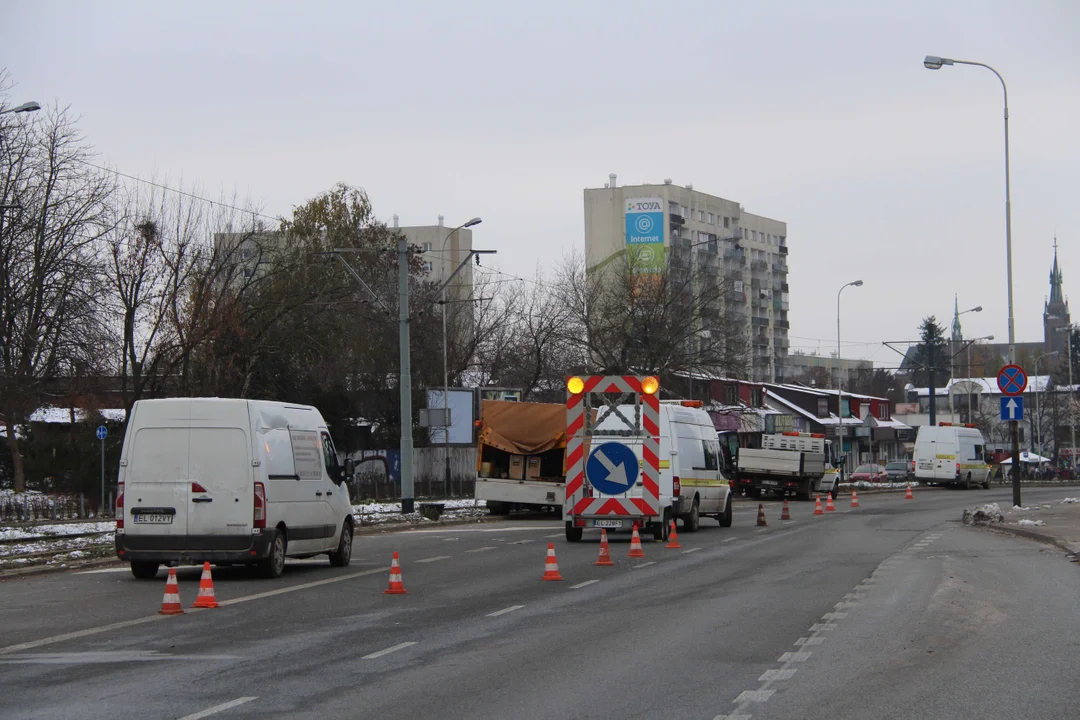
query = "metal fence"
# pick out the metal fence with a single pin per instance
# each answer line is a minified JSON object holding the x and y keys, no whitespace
{"x":27,"y":507}
{"x":373,"y":479}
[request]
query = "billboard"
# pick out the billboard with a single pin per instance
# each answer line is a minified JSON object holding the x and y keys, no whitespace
{"x":461,"y":417}
{"x":645,"y":234}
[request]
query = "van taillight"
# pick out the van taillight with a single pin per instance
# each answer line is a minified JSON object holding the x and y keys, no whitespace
{"x":676,"y":486}
{"x":259,"y":518}
{"x":196,"y":487}
{"x":120,"y":508}
{"x":957,"y":468}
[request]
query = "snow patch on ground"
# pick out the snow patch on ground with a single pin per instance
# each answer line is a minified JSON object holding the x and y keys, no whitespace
{"x":864,"y":485}
{"x":390,"y":513}
{"x":38,"y":531}
{"x":1071,"y":500}
{"x":1027,"y":522}
{"x":983,"y":515}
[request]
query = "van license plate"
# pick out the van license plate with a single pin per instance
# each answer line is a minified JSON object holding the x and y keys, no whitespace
{"x":770,"y":482}
{"x":607,"y":523}
{"x":155,"y":519}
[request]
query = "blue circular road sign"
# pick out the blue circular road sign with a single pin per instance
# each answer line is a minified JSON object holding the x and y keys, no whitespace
{"x":102,"y":432}
{"x":612,"y":468}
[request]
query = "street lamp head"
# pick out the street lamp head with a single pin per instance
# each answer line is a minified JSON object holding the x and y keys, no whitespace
{"x":474,"y":221}
{"x":989,"y":338}
{"x":933,"y":62}
{"x":977,"y":308}
{"x":857,"y":283}
{"x":27,"y":107}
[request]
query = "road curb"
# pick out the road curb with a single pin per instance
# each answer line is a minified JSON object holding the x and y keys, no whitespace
{"x":1032,"y":535}
{"x":401,"y":527}
{"x":46,"y":569}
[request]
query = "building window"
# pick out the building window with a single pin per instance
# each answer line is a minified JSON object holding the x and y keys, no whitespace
{"x":731,"y":394}
{"x":427,"y":268}
{"x":823,"y":407}
{"x":712,"y":219}
{"x":427,"y":247}
{"x":883,"y":411}
{"x":248,"y":273}
{"x":755,"y":397}
{"x":727,"y":222}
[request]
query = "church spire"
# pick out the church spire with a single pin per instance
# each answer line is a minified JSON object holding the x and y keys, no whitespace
{"x":1057,"y":296}
{"x":957,"y":333}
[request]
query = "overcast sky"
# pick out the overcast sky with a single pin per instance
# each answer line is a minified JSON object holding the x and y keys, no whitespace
{"x":819,"y":114}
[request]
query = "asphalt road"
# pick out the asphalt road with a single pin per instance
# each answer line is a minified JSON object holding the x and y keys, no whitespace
{"x":894,"y":610}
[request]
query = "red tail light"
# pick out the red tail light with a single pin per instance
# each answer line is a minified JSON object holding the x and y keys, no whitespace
{"x":259,"y":518}
{"x":120,"y":508}
{"x":196,"y":487}
{"x":731,"y":484}
{"x":957,"y":468}
{"x":676,"y":486}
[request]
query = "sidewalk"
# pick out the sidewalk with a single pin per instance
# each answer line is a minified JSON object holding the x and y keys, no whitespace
{"x":1056,"y":523}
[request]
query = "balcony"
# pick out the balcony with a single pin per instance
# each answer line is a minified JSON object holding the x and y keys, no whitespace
{"x":783,"y":287}
{"x":783,"y":249}
{"x":759,"y":265}
{"x":783,"y":324}
{"x":759,"y":322}
{"x":676,"y":219}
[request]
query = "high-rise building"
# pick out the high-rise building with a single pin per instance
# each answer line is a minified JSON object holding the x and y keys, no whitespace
{"x":714,"y":235}
{"x":442,"y":249}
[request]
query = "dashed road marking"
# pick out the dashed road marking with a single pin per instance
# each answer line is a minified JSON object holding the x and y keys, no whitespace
{"x":769,"y":675}
{"x":434,"y":559}
{"x":686,"y":552}
{"x":732,"y":717}
{"x":556,"y":535}
{"x":810,"y":641}
{"x":821,"y":627}
{"x":795,"y":656}
{"x":583,"y":584}
{"x":754,"y":696}
{"x":834,"y":616}
{"x":387,"y":651}
{"x":845,"y":604}
{"x":510,"y":609}
{"x":854,"y":596}
{"x":483,"y":549}
{"x":729,"y":540}
{"x":218,"y":708}
{"x":646,"y":564}
{"x":761,"y":530}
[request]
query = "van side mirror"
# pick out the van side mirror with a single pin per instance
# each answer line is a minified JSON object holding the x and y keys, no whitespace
{"x":348,"y":471}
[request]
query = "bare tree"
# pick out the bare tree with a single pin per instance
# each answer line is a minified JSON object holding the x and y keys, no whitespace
{"x":49,"y":270}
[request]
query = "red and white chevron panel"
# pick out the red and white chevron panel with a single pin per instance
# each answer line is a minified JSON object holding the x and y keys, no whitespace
{"x":577,"y":504}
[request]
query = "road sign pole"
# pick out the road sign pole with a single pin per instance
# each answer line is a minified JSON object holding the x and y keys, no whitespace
{"x":101,"y":508}
{"x":1012,"y":381}
{"x":1014,"y":432}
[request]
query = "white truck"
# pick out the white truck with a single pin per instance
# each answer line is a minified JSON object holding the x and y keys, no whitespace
{"x":798,"y":463}
{"x":519,"y":456}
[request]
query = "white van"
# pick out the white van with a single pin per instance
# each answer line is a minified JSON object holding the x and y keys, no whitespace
{"x":229,"y":481}
{"x":692,"y":481}
{"x":951,"y":454}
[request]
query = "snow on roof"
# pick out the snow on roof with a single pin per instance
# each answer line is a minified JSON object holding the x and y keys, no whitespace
{"x":819,"y":392}
{"x":894,"y":424}
{"x":1036,"y":383}
{"x":773,"y":397}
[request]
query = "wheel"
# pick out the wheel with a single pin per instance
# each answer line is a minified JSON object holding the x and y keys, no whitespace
{"x":835,"y":490}
{"x":986,"y":482}
{"x":753,"y":492}
{"x":967,"y":482}
{"x":496,"y":508}
{"x":343,"y":554}
{"x":692,"y":522}
{"x":144,"y":569}
{"x":573,"y":534}
{"x":273,"y":566}
{"x":661,"y":532}
{"x":806,"y":492}
{"x":725,"y":519}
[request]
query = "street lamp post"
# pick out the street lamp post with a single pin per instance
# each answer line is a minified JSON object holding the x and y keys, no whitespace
{"x":933,"y":62}
{"x":446,"y":371}
{"x":1072,"y":396}
{"x":1036,"y":436}
{"x":25,"y":107}
{"x":840,"y":369}
{"x":952,"y":370}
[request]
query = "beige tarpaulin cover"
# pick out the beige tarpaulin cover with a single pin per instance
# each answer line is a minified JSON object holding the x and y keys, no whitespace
{"x":523,"y":428}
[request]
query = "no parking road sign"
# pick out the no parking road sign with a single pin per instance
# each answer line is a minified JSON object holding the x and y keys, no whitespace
{"x":612,"y":468}
{"x":1012,"y":380}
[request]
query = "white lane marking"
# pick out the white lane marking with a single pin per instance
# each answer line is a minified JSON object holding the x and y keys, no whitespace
{"x":104,"y":656}
{"x":686,"y":552}
{"x":646,"y":564}
{"x":732,"y":717}
{"x":104,"y":570}
{"x":510,"y":609}
{"x":478,"y":530}
{"x":218,"y":708}
{"x":822,"y":627}
{"x":153,"y":618}
{"x":854,"y":596}
{"x":761,"y":530}
{"x":584,"y":584}
{"x":769,"y":675}
{"x":434,"y":559}
{"x":754,"y":696}
{"x":729,"y":540}
{"x":554,"y":536}
{"x":845,"y":604}
{"x":451,"y":539}
{"x":810,"y":641}
{"x":489,"y":547}
{"x":795,"y":657}
{"x":387,"y":651}
{"x":834,"y":616}
{"x":520,"y":542}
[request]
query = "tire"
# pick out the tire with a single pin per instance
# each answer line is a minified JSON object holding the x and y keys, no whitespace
{"x":573,"y":534}
{"x":986,"y":482}
{"x":692,"y":522}
{"x":806,"y":492}
{"x":835,"y":490}
{"x":725,"y":519}
{"x":497,"y":508}
{"x":753,"y":492}
{"x":144,"y":569}
{"x":343,"y":554}
{"x":274,"y":566}
{"x":660,"y":533}
{"x":967,"y":482}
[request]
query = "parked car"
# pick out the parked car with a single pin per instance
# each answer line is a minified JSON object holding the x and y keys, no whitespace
{"x":869,"y":473}
{"x":900,"y":470}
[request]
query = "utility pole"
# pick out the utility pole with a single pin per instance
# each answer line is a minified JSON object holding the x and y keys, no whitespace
{"x":405,"y":377}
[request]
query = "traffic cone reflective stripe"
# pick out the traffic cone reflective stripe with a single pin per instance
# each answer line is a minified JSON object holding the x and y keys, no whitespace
{"x":761,"y":516}
{"x":673,"y":538}
{"x":551,"y":565}
{"x":206,"y":597}
{"x":636,"y":550}
{"x":170,"y":604}
{"x":817,"y":506}
{"x":785,"y":514}
{"x":854,"y":498}
{"x":396,"y":587}
{"x":605,"y":551}
{"x":829,"y":507}
{"x":908,"y":495}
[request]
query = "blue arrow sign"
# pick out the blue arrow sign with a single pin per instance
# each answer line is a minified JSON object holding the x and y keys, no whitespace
{"x":1012,"y":408}
{"x":102,"y":432}
{"x":612,"y":468}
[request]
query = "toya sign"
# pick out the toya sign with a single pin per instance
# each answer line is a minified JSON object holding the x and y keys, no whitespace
{"x":645,"y":234}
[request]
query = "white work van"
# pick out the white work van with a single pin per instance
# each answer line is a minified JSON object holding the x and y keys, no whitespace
{"x":230,"y":482}
{"x":692,"y":482}
{"x":951,"y":454}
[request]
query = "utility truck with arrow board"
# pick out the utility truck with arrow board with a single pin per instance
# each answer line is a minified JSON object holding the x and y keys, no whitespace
{"x":798,"y":463}
{"x":633,"y":459}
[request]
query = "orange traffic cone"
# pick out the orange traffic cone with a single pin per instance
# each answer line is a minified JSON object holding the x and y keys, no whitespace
{"x":908,"y":495}
{"x":817,"y":505}
{"x":785,"y":514}
{"x":636,"y":550}
{"x":551,"y":565}
{"x":396,"y":587}
{"x":761,"y":516}
{"x":170,"y":604}
{"x":206,"y":597}
{"x":673,"y":538}
{"x":829,"y":507}
{"x":854,"y":498}
{"x":605,"y":551}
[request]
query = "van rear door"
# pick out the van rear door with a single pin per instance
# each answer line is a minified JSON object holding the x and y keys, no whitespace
{"x":156,"y":486}
{"x":220,"y":487}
